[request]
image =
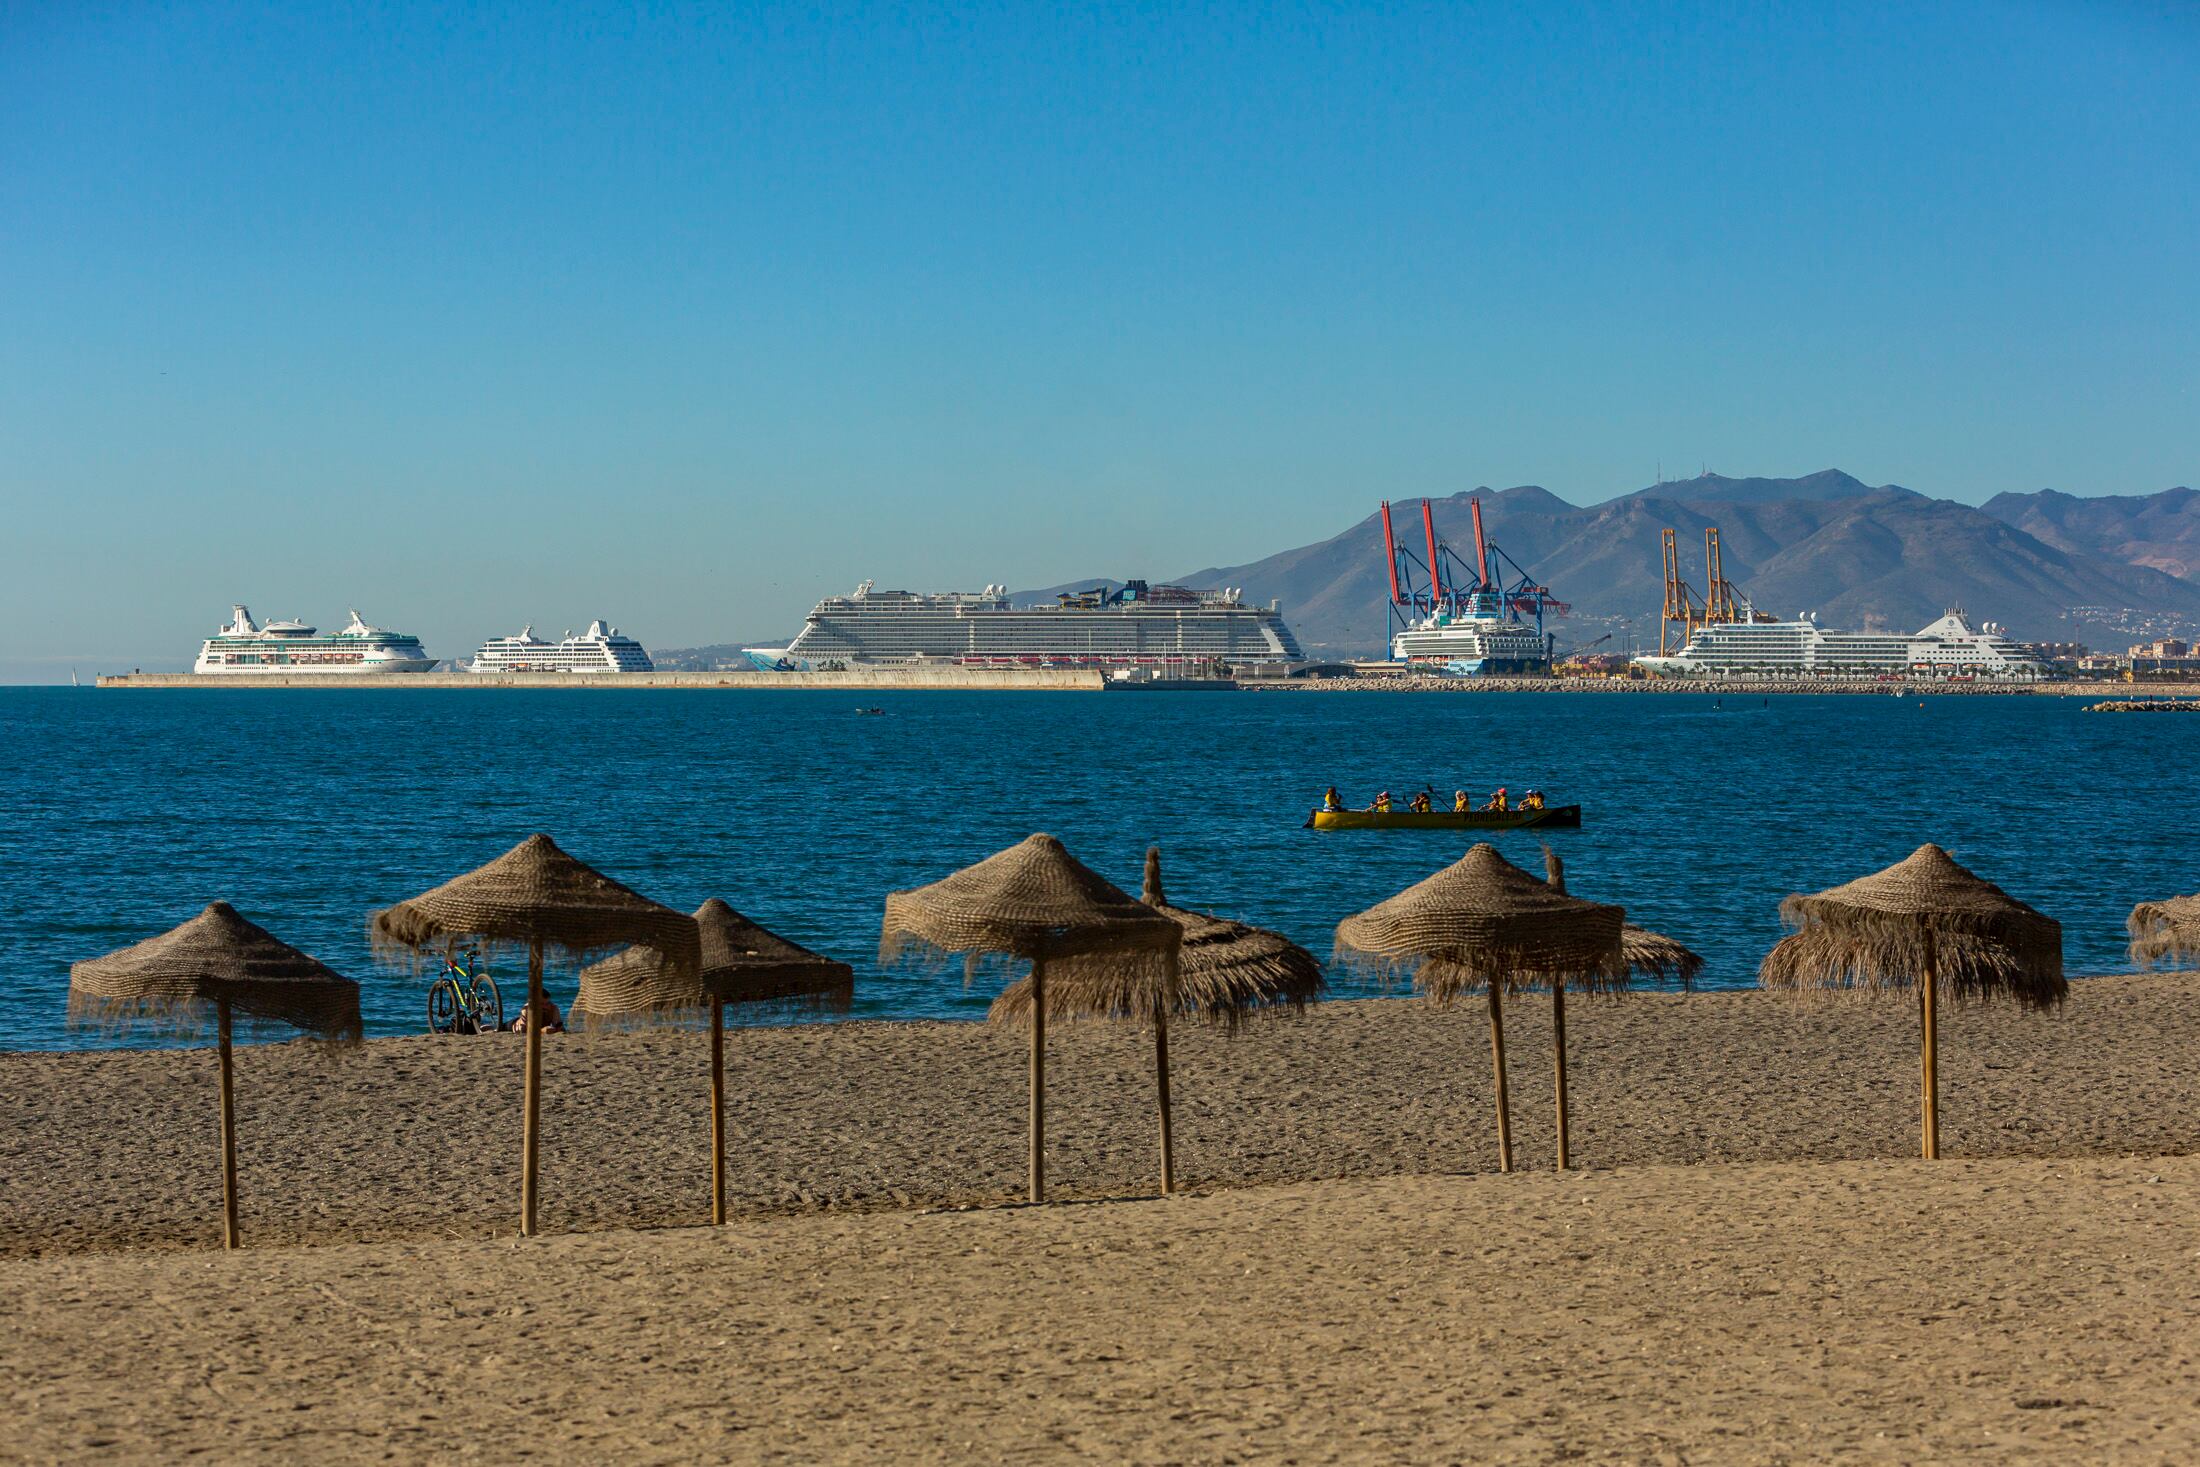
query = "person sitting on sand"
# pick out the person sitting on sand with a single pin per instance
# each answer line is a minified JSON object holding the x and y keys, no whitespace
{"x":553,"y":1022}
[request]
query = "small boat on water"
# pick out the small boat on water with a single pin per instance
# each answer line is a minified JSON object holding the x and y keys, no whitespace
{"x":1550,"y":817}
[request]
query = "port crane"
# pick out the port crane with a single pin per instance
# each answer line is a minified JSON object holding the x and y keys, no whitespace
{"x":1723,"y":604}
{"x":1496,"y":584}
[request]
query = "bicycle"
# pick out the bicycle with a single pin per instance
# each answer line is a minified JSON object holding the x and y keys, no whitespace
{"x":465,"y":999}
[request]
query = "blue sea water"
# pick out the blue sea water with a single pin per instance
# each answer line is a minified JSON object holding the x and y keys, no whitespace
{"x":122,"y":813}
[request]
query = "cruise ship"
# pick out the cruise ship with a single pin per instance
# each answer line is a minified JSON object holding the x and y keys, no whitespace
{"x":602,"y":648}
{"x":243,"y":647}
{"x":1136,"y":626}
{"x":1477,"y":640}
{"x":1949,"y":648}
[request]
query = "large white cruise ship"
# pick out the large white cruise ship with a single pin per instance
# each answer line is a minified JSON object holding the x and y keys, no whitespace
{"x":1475,"y":641}
{"x":1137,"y":626}
{"x":602,"y":648}
{"x":243,"y":647}
{"x":1949,"y":648}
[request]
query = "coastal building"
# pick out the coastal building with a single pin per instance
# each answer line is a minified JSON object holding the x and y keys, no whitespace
{"x":1135,"y":626}
{"x":1948,"y":648}
{"x":602,"y":648}
{"x":244,"y":647}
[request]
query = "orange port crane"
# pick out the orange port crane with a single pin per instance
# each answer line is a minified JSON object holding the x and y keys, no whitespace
{"x":1721,"y":605}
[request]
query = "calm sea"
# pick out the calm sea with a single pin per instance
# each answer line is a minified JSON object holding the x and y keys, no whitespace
{"x":122,"y":813}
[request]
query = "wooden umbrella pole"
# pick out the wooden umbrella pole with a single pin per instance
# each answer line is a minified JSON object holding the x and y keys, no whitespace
{"x":1497,"y":1056}
{"x":1930,"y":1044}
{"x":717,"y":1111}
{"x":1161,"y":1076}
{"x":229,"y":1126}
{"x":529,"y":1126}
{"x":1554,"y":875}
{"x":1558,"y":1053}
{"x":1038,"y":1079}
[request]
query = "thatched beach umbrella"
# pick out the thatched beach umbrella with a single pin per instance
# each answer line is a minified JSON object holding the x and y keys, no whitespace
{"x":1484,"y":925}
{"x":218,"y":963}
{"x":2166,"y":930}
{"x":1226,"y":971}
{"x":538,"y":897}
{"x":1924,"y":922}
{"x":1645,"y":954}
{"x":742,"y":963}
{"x":1037,"y":903}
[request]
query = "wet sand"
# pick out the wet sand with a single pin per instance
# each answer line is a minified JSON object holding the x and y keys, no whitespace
{"x":419,"y":1137}
{"x":1896,"y":1312}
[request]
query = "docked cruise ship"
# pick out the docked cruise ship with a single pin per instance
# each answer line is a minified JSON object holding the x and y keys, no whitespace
{"x":244,"y":647}
{"x":1477,"y":640}
{"x":1136,"y":626}
{"x":602,"y":648}
{"x":1949,"y":648}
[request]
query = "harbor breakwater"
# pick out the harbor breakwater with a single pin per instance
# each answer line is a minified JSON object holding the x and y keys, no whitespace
{"x":870,"y":679}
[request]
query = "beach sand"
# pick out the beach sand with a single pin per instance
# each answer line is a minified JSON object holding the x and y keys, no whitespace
{"x":2004,"y":1311}
{"x":419,"y":1137}
{"x":1768,"y":1276}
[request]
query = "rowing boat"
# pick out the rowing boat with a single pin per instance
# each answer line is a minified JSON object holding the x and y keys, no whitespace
{"x":1551,"y":817}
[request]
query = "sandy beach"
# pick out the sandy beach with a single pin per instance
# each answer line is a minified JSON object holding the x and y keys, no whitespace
{"x":1751,"y":1267}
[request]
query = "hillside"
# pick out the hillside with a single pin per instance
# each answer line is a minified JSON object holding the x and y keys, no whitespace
{"x":2159,"y":530}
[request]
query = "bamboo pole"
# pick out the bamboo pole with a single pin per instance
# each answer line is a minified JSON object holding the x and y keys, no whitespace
{"x":1930,"y":1053}
{"x":1038,"y":1079}
{"x":1161,"y":1077}
{"x":717,"y":1111}
{"x":1497,"y":1057}
{"x":530,"y":1128}
{"x":229,"y":1126}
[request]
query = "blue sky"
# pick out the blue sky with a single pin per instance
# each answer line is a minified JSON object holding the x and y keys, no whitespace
{"x":472,"y":316}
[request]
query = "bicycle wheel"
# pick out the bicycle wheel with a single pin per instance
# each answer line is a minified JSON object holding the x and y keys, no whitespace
{"x":444,"y":1007}
{"x":488,"y":1004}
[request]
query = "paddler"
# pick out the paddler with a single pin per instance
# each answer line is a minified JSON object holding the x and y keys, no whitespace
{"x":1382,"y":803}
{"x":1532,"y":800}
{"x":1331,"y":800}
{"x":1461,"y":804}
{"x":1499,"y":801}
{"x":1419,"y":806}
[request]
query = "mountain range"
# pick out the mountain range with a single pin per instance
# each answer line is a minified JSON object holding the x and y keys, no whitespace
{"x":2048,"y":566}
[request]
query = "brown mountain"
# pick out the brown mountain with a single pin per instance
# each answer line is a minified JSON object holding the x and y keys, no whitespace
{"x":1827,"y":542}
{"x":2159,"y":530}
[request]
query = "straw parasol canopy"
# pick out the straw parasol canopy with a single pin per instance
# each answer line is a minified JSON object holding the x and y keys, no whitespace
{"x":742,"y":963}
{"x":1657,"y":957}
{"x":537,"y":896}
{"x":178,"y":979}
{"x":2165,"y":930}
{"x":1226,"y":971}
{"x":1036,"y":901}
{"x":1483,"y":922}
{"x":1924,"y":912}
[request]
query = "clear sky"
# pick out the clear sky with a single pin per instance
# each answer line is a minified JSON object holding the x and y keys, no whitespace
{"x":476,"y":316}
